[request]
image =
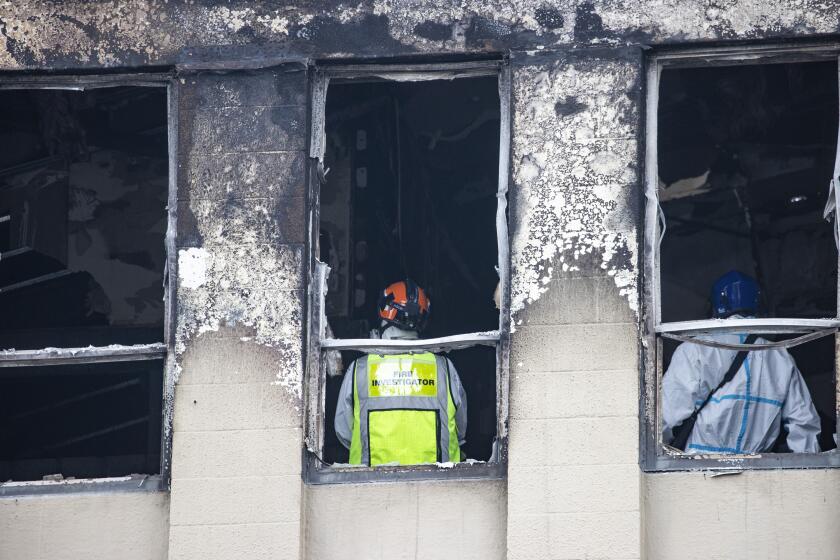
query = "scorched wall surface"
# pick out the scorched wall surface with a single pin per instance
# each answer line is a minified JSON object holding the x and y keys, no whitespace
{"x":573,"y":488}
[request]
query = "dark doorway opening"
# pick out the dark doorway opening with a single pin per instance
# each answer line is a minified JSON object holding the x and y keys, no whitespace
{"x":411,"y":192}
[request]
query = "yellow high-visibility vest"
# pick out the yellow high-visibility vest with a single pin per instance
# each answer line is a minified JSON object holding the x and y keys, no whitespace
{"x":403,"y":411}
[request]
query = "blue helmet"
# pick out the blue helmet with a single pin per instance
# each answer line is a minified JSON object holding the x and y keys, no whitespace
{"x":734,"y":292}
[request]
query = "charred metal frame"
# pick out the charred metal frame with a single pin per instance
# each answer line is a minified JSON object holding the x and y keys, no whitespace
{"x":114,"y":353}
{"x":654,"y":455}
{"x":315,"y":471}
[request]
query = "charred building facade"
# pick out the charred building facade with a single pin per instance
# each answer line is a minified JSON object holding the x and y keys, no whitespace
{"x":202,"y":201}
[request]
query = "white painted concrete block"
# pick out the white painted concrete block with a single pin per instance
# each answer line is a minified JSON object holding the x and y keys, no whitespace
{"x":410,"y":521}
{"x":574,"y":394}
{"x":586,"y":347}
{"x":528,"y":537}
{"x":614,"y":536}
{"x":610,"y":305}
{"x":569,"y":489}
{"x":225,"y":358}
{"x":128,"y":526}
{"x":236,"y":453}
{"x":469,"y":517}
{"x":782,"y":514}
{"x":206,"y":501}
{"x":238,"y":406}
{"x":264,"y":541}
{"x":579,"y":300}
{"x":574,"y":441}
{"x":568,"y":300}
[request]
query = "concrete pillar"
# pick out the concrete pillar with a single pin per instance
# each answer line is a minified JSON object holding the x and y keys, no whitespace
{"x":573,"y":478}
{"x":236,"y":486}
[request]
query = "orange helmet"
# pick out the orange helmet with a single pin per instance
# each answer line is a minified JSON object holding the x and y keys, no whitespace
{"x":404,"y":304}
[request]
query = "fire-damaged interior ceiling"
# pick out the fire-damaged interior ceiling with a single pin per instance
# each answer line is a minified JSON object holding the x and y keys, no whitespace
{"x":746,"y":155}
{"x":410,"y":192}
{"x":83,"y":193}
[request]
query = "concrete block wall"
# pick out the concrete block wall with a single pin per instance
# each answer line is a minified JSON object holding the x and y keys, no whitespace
{"x":427,"y":520}
{"x":130,"y":526}
{"x":573,"y":476}
{"x":236,"y":485}
{"x":752,"y":515}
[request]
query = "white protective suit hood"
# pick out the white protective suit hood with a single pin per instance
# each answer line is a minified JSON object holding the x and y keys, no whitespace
{"x":395,"y":333}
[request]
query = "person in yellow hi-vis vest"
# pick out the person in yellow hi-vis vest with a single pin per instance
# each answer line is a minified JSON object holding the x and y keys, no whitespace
{"x":405,"y":409}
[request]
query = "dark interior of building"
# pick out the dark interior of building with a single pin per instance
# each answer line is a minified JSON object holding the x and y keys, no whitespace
{"x":410,"y":192}
{"x":82,"y":421}
{"x":746,"y":155}
{"x":83,"y":193}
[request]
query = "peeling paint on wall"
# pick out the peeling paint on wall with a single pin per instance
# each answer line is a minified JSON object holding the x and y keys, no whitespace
{"x":575,"y":171}
{"x":192,"y":267}
{"x":228,"y":285}
{"x":241,"y":216}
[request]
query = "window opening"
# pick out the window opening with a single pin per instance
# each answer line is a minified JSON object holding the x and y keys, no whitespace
{"x":83,"y":196}
{"x":410,"y":190}
{"x":745,"y":155}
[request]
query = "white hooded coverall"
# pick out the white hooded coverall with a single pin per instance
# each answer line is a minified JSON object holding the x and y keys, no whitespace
{"x":746,"y":414}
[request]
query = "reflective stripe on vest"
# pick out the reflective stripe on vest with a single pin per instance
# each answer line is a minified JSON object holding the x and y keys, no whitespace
{"x":403,"y":411}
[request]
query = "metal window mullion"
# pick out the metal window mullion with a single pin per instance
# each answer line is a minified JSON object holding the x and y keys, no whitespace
{"x":63,"y":356}
{"x":454,"y":342}
{"x":170,"y":282}
{"x":505,"y":87}
{"x":416,"y":72}
{"x":316,"y":372}
{"x":835,"y":180}
{"x":758,"y":326}
{"x":318,"y":133}
{"x":649,"y":439}
{"x":652,"y":230}
{"x":86,"y":82}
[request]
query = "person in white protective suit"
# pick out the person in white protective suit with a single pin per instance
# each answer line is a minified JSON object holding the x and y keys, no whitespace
{"x":745,"y":415}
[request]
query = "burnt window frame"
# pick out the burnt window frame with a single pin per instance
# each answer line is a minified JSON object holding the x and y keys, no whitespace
{"x":315,"y":471}
{"x":114,"y":353}
{"x":654,"y":455}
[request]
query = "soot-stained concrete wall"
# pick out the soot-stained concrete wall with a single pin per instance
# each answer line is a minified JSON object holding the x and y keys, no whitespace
{"x":574,"y":488}
{"x":574,"y":370}
{"x":575,"y":168}
{"x":236,"y":483}
{"x":53,"y":33}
